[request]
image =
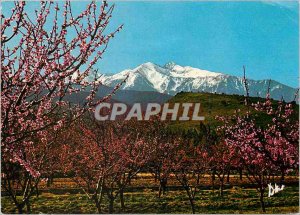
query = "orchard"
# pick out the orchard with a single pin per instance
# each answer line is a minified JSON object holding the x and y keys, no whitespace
{"x":46,"y":139}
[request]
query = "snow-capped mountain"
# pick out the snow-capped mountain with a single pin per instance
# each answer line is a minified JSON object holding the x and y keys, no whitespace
{"x":173,"y":78}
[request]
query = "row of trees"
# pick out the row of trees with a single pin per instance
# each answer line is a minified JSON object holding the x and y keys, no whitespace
{"x":103,"y":157}
{"x":241,"y":143}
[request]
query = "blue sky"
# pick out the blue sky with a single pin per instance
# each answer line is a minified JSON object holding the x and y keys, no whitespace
{"x":216,"y":36}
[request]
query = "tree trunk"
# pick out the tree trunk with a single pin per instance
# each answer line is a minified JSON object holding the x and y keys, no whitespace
{"x":213,"y":181}
{"x":98,"y":205}
{"x":159,"y":190}
{"x":122,"y":199}
{"x":28,"y":208}
{"x":191,"y":199}
{"x":198,"y":178}
{"x":129,"y":178}
{"x":192,"y":205}
{"x":262,"y":203}
{"x":221,"y":187}
{"x":100,"y":201}
{"x":282,"y":177}
{"x":37,"y":191}
{"x":111,"y":205}
{"x":241,"y":174}
{"x":228,"y":176}
{"x":20,"y":208}
{"x":162,"y":187}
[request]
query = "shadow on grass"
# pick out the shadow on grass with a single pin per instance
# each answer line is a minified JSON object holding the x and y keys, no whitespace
{"x":235,"y":200}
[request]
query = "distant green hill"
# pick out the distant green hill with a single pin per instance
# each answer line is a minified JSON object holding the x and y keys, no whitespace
{"x":213,"y":105}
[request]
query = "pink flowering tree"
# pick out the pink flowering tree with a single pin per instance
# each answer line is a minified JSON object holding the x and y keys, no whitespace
{"x":164,"y":146}
{"x":18,"y":183}
{"x":159,"y":165}
{"x":83,"y":158}
{"x":264,"y":150}
{"x":281,"y":135}
{"x":189,"y":163}
{"x":103,"y":158}
{"x":44,"y":58}
{"x":222,"y":160}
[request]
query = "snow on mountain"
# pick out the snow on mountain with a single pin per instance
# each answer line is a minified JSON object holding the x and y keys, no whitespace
{"x":173,"y":78}
{"x":188,"y":72}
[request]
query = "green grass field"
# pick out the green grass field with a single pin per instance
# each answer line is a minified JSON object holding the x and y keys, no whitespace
{"x":140,"y":198}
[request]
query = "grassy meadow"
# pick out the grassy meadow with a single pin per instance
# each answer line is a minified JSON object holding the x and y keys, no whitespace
{"x":63,"y":196}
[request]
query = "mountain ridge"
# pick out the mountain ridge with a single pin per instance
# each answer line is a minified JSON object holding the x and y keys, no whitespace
{"x":172,"y":79}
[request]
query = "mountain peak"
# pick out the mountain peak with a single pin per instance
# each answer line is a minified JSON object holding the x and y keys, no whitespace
{"x":147,"y":64}
{"x":170,"y":65}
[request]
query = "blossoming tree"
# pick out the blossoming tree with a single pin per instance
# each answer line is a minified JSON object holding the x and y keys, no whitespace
{"x":44,"y":58}
{"x":103,"y":158}
{"x":264,"y":150}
